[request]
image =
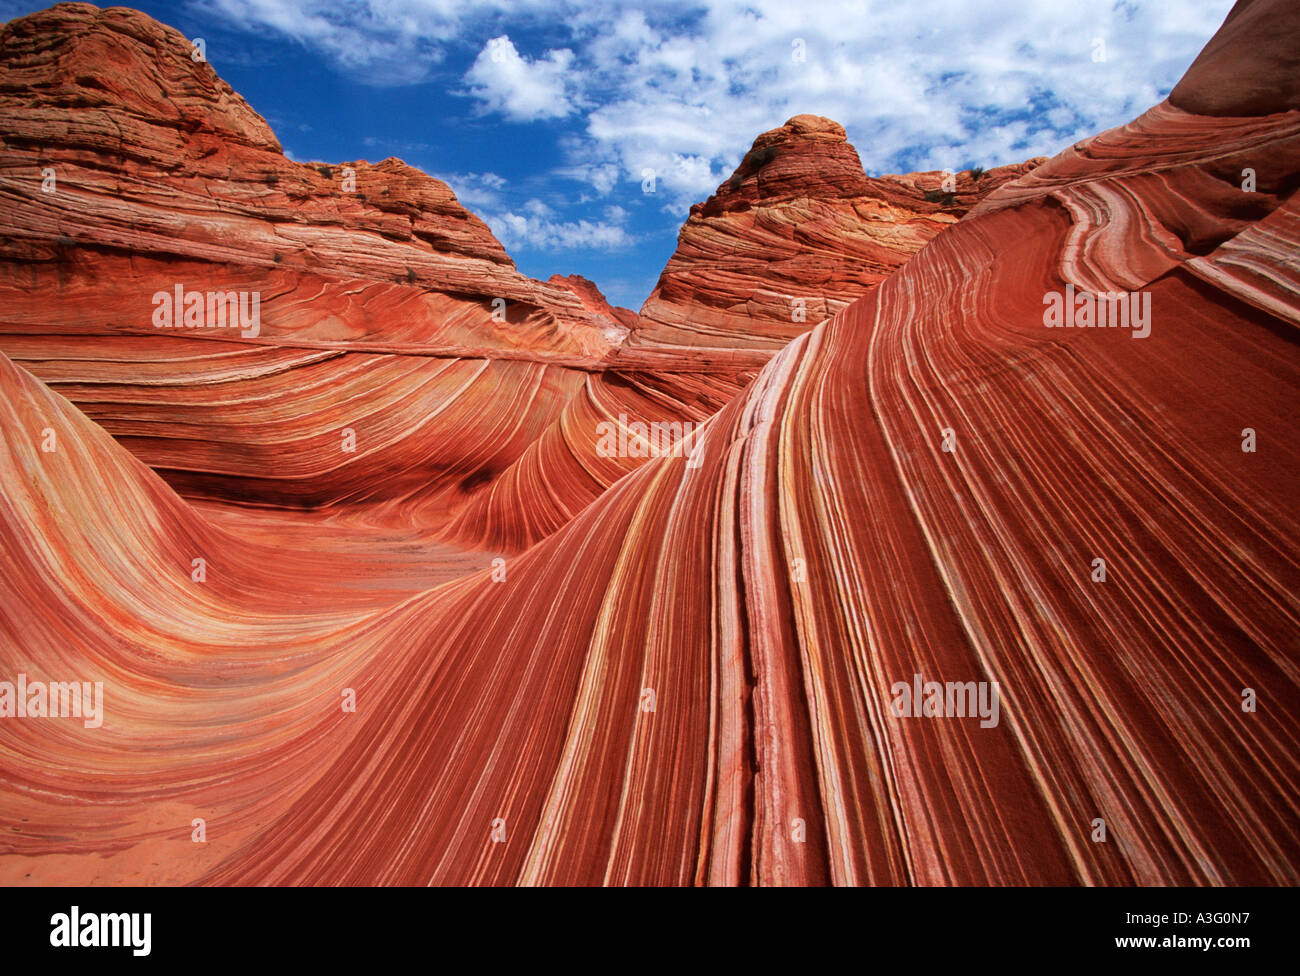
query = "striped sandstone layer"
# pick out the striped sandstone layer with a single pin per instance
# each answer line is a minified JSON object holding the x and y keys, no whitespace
{"x":389,"y":315}
{"x":690,"y":680}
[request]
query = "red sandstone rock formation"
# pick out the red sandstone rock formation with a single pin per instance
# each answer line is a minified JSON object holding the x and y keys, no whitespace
{"x":796,"y":234}
{"x":689,"y":680}
{"x":389,"y":313}
{"x":798,"y":221}
{"x":387,"y":309}
{"x":593,"y":300}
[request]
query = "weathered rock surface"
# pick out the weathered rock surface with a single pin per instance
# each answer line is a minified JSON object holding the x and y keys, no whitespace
{"x":797,"y":233}
{"x":692,"y":678}
{"x":389,"y":314}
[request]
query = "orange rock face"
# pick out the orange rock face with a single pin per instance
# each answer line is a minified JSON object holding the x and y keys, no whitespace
{"x":711,"y":667}
{"x":795,"y":235}
{"x":387,"y":312}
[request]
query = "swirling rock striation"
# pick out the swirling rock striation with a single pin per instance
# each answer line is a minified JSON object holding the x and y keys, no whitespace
{"x":796,"y":234}
{"x":692,"y":680}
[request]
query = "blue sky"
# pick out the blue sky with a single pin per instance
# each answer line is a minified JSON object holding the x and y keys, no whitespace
{"x":545,"y":116}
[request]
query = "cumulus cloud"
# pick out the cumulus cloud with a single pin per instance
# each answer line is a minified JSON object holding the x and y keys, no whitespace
{"x":601,"y":177}
{"x":475,"y":190}
{"x":537,"y":228}
{"x":375,"y":42}
{"x":521,"y":89}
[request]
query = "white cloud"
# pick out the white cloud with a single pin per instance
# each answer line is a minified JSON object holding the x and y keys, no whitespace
{"x":601,"y":177}
{"x":536,"y":208}
{"x":474,"y":190}
{"x":376,"y":42}
{"x":522,"y":90}
{"x":536,"y":228}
